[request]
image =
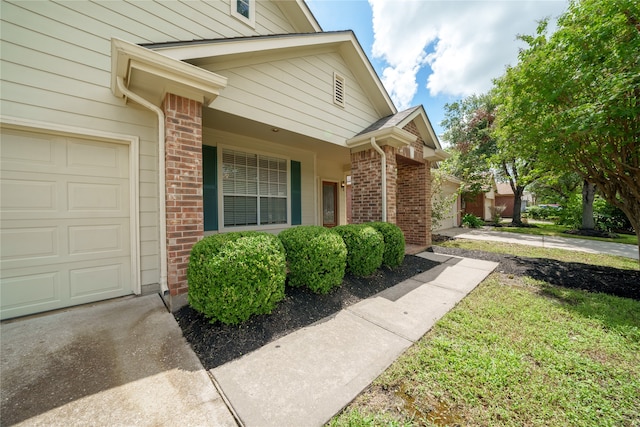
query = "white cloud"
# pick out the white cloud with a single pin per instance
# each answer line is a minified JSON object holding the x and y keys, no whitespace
{"x":464,"y":43}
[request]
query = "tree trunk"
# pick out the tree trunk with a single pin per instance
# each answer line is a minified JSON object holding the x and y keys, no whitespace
{"x":588,"y":194}
{"x":517,"y":206}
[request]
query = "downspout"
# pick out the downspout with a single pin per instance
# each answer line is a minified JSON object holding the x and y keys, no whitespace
{"x":384,"y":177}
{"x":161,"y":178}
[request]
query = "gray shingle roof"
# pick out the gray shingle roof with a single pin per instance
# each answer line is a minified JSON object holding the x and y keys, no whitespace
{"x":389,"y":121}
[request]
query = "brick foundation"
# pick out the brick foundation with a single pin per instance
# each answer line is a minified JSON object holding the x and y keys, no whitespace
{"x":184,"y":205}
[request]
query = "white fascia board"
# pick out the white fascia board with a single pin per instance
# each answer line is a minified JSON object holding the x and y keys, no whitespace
{"x":181,"y":77}
{"x":434,"y":155}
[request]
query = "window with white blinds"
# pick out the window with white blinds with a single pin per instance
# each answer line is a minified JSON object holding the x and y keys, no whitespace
{"x":254,"y":189}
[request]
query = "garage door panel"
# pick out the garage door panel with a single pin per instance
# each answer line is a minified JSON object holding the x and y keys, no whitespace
{"x":33,"y":242}
{"x":22,"y":151}
{"x":88,"y":282}
{"x":92,"y":196}
{"x":65,"y":222}
{"x":24,"y":195}
{"x":27,"y":293}
{"x":99,"y":238}
{"x":97,"y":159}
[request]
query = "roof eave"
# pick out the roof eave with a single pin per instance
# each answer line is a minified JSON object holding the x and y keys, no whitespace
{"x":392,"y":136}
{"x":157,"y":74}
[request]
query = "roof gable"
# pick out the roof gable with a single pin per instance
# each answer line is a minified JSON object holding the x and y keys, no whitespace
{"x":262,"y":48}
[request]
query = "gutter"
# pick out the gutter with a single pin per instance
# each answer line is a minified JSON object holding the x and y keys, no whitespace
{"x":161,"y":177}
{"x":384,"y":177}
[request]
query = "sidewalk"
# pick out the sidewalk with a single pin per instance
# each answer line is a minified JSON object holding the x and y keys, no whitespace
{"x":567,"y":243}
{"x":305,"y":378}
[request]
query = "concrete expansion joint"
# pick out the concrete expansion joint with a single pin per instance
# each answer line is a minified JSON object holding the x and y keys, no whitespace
{"x":447,"y":287}
{"x":366,"y":319}
{"x":225,"y":399}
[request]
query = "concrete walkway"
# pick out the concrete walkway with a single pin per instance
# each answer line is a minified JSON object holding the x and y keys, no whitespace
{"x":125,"y":362}
{"x":305,"y":378}
{"x":567,"y":243}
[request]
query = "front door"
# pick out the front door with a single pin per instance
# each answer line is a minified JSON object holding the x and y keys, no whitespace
{"x":329,"y":204}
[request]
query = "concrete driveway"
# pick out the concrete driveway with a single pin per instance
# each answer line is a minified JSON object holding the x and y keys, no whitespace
{"x":566,"y":243}
{"x":115,"y":363}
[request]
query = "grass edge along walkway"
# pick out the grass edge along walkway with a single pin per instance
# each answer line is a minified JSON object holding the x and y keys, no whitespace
{"x":553,"y":230}
{"x":515,"y":352}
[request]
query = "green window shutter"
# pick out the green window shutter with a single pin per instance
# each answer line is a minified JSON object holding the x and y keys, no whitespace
{"x":296,"y":193}
{"x":210,"y":191}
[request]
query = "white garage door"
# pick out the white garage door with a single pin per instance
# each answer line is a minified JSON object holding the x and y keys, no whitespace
{"x":64,"y":222}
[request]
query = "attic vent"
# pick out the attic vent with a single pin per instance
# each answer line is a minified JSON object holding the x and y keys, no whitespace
{"x":338,"y":89}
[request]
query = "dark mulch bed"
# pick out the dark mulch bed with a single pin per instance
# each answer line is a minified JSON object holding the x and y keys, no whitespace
{"x":593,"y":278}
{"x":216,"y":344}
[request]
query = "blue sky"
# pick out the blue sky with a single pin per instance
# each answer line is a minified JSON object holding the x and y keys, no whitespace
{"x":434,"y":52}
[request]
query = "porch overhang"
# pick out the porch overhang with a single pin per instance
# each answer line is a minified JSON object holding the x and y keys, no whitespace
{"x":392,"y":136}
{"x":153,"y":75}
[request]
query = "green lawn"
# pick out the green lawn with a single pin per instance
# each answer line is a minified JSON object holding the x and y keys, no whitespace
{"x":549,"y":229}
{"x":515,"y":352}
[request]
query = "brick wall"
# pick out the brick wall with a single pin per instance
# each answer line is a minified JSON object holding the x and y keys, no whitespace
{"x":366,"y":185}
{"x":414,"y":202}
{"x":392,"y":182}
{"x":414,"y":192}
{"x":184,"y":206}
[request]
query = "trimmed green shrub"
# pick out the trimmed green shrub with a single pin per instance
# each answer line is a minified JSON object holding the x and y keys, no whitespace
{"x":365,"y":247}
{"x":316,"y":257}
{"x":472,"y":221}
{"x":394,"y":243}
{"x":235,"y":275}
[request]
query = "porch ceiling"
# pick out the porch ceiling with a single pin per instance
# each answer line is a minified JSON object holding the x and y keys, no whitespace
{"x":222,"y":121}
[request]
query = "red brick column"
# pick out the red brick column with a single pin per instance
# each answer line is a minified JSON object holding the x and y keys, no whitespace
{"x":184,"y":205}
{"x":366,"y":186}
{"x":392,"y":182}
{"x":414,"y":202}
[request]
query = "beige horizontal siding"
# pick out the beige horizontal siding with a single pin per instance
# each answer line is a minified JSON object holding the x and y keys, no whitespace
{"x":55,"y":67}
{"x":297,"y":94}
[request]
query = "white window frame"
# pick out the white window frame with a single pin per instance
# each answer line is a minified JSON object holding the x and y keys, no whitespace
{"x":221,"y":227}
{"x":251,"y":20}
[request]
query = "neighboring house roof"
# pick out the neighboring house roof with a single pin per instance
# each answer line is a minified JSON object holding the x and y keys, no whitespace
{"x":198,"y":52}
{"x":504,"y":189}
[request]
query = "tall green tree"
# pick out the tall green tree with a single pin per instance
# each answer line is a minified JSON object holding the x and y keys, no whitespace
{"x":573,"y":99}
{"x":467,"y":126}
{"x":478,"y":155}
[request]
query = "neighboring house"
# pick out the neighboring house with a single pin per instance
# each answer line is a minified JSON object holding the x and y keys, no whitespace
{"x":504,"y":197}
{"x":450,"y":191}
{"x":482,"y":204}
{"x":132,"y":129}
